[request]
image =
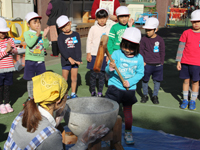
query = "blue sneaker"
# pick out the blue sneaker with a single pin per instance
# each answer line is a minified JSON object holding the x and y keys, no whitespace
{"x":184,"y":104}
{"x":74,"y":96}
{"x":128,"y":138}
{"x":68,"y":97}
{"x":192,"y":105}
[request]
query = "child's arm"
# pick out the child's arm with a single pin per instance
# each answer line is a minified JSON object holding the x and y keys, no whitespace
{"x":63,"y":49}
{"x":14,"y":49}
{"x":111,"y":40}
{"x":162,"y":51}
{"x":142,"y":47}
{"x":30,"y":40}
{"x":45,"y":39}
{"x":179,"y":54}
{"x":89,"y":45}
{"x":139,"y":72}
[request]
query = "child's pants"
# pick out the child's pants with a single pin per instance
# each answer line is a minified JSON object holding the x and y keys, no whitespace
{"x":93,"y":77}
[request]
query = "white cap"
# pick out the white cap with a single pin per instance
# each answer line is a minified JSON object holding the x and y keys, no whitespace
{"x":195,"y":16}
{"x":151,"y":23}
{"x":132,"y":34}
{"x":101,"y":9}
{"x":62,"y":21}
{"x":3,"y":25}
{"x":32,"y":15}
{"x":122,"y":10}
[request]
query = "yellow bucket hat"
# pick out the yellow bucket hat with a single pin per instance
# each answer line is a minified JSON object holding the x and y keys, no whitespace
{"x":48,"y":88}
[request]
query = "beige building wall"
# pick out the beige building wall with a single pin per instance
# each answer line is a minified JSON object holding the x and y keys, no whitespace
{"x":7,"y":8}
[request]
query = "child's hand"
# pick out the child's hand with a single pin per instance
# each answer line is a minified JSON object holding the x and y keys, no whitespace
{"x":107,"y":59}
{"x":46,"y":30}
{"x":131,"y":22}
{"x":78,"y":62}
{"x":38,"y":30}
{"x":113,"y":17}
{"x":178,"y":66}
{"x":72,"y":61}
{"x":89,"y":57}
{"x":126,"y":84}
{"x":145,"y":64}
{"x":112,"y":64}
{"x":9,"y":47}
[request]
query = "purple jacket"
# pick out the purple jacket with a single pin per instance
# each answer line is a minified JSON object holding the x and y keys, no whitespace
{"x":152,"y":50}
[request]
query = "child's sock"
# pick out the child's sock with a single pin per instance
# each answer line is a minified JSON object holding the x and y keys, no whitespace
{"x":72,"y":94}
{"x":145,"y":88}
{"x":194,"y":96}
{"x":30,"y":89}
{"x":156,"y":87}
{"x":6,"y":93}
{"x":185,"y":95}
{"x":128,"y":118}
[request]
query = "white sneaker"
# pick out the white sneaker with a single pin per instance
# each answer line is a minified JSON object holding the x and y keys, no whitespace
{"x":128,"y":138}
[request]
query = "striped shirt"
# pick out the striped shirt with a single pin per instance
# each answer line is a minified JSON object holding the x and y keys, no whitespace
{"x":6,"y":59}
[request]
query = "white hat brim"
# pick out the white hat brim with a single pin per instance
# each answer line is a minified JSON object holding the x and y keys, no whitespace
{"x":5,"y":30}
{"x":123,"y":14}
{"x":63,"y":25}
{"x":146,"y":27}
{"x":130,"y":40}
{"x":194,"y":19}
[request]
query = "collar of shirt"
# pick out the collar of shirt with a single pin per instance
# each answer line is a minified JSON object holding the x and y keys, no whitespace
{"x":32,"y":31}
{"x":101,"y":26}
{"x":47,"y":115}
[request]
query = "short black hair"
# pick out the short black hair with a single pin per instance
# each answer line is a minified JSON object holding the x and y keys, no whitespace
{"x":102,"y":14}
{"x":35,"y":19}
{"x":130,"y":45}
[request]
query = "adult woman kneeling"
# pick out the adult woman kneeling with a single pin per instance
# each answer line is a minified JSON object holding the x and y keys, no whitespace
{"x":34,"y":127}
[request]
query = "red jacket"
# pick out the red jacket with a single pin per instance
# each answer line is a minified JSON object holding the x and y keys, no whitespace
{"x":96,"y":3}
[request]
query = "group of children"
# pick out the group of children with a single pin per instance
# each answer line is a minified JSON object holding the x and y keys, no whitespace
{"x":136,"y":58}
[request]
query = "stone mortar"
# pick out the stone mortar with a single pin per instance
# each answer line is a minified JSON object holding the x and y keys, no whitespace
{"x":85,"y":111}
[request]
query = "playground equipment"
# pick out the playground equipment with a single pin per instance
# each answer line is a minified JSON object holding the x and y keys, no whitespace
{"x":175,"y":15}
{"x":17,"y":34}
{"x":140,"y":18}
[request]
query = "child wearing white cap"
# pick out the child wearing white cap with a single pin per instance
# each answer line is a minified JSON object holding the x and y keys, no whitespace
{"x":118,"y":29}
{"x":188,"y":62}
{"x":7,"y":48}
{"x":36,"y":43}
{"x":69,"y":44}
{"x":93,"y":40}
{"x":131,"y":66}
{"x":152,"y":48}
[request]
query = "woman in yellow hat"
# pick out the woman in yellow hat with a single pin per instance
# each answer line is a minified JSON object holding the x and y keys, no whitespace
{"x":34,"y":127}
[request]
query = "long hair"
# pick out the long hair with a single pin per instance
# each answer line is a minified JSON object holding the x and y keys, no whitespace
{"x":31,"y":116}
{"x":130,"y":46}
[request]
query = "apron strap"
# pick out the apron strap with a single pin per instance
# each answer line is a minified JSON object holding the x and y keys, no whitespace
{"x":36,"y":141}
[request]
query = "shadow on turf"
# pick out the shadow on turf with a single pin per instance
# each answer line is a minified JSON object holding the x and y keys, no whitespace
{"x":87,"y":81}
{"x":19,"y":86}
{"x":3,"y":136}
{"x":185,"y":127}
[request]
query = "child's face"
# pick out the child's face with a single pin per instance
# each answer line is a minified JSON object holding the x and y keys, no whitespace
{"x":196,"y":25}
{"x":3,"y":35}
{"x":67,"y":28}
{"x":127,"y":52}
{"x":35,"y":24}
{"x":150,"y":33}
{"x":123,"y":19}
{"x":102,"y":21}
